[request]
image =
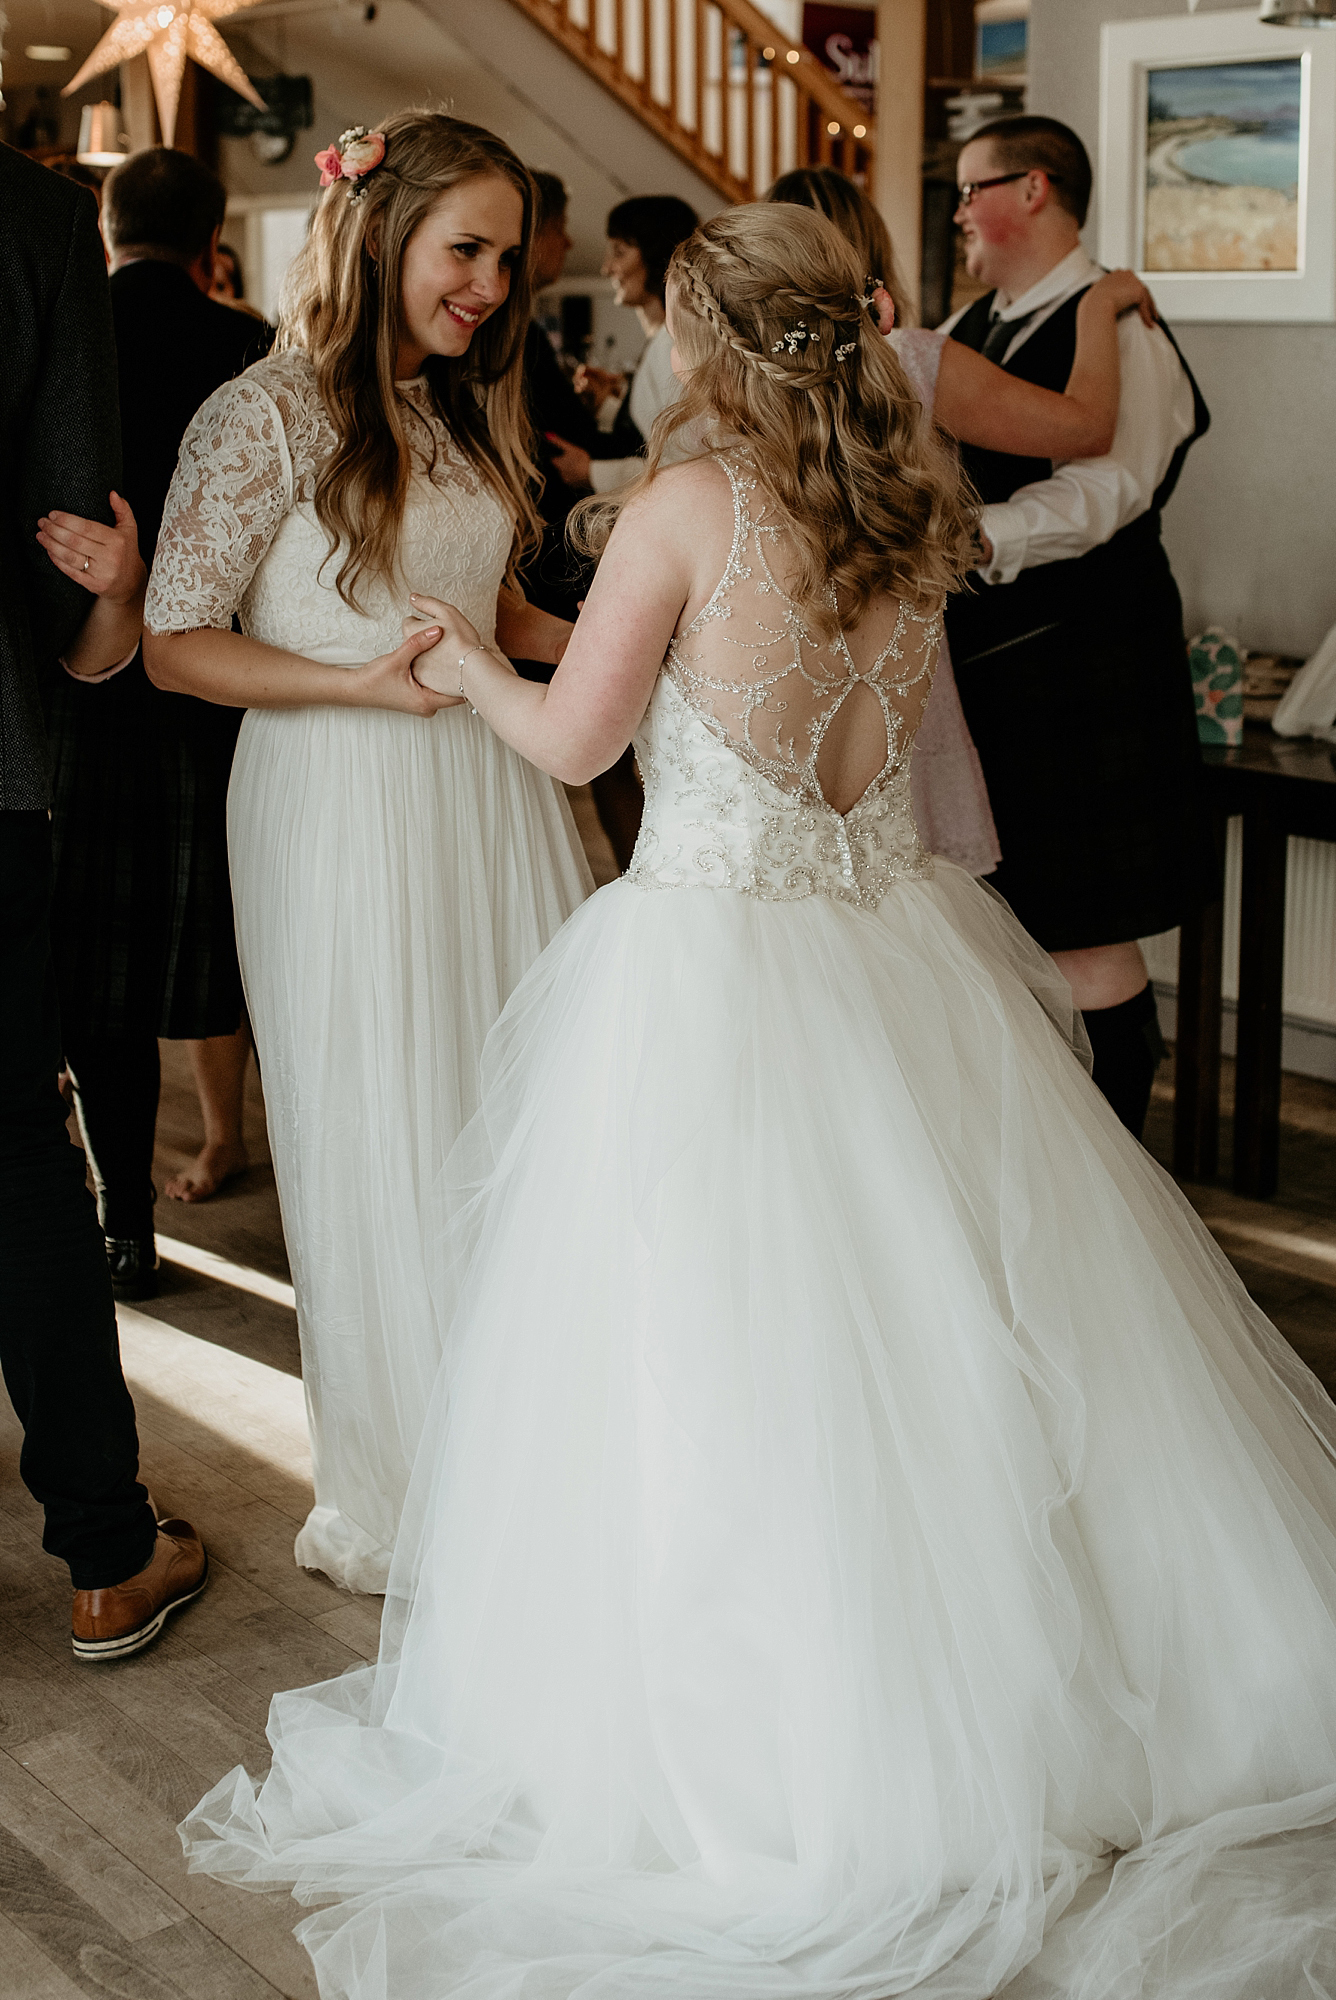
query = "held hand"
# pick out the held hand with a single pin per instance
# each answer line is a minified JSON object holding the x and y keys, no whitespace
{"x":595,"y":385}
{"x":569,"y":462}
{"x":106,"y":561}
{"x":389,"y":682}
{"x":438,"y":671}
{"x":1121,"y":292}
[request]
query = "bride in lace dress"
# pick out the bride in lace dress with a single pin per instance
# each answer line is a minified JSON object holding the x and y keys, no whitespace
{"x":859,"y":1501}
{"x":396,"y":867}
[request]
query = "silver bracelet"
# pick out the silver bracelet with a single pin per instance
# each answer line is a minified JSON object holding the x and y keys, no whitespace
{"x":462,"y":658}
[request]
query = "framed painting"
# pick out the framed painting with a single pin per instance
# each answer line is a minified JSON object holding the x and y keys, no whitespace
{"x":1217,"y":171}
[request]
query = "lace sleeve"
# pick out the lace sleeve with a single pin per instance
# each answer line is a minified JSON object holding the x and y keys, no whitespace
{"x":918,"y":349}
{"x":231,"y":488}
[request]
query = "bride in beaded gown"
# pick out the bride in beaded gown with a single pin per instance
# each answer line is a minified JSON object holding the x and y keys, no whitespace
{"x":859,"y":1502}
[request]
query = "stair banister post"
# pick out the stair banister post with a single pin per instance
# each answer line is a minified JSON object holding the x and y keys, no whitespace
{"x":898,"y":172}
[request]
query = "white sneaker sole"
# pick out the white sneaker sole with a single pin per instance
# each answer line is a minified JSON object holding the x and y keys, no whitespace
{"x":143,"y":1635}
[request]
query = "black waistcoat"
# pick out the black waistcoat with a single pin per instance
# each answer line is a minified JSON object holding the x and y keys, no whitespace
{"x":988,"y":618}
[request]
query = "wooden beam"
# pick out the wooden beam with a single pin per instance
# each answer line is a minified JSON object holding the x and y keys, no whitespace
{"x":898,"y":170}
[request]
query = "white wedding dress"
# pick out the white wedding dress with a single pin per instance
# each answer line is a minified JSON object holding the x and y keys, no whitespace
{"x":859,"y":1499}
{"x":393,"y":879}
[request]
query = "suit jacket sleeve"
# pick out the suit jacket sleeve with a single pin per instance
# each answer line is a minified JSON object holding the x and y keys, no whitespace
{"x":70,"y":455}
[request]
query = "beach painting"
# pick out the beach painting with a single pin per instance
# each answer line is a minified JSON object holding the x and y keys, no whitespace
{"x":1222,"y":166}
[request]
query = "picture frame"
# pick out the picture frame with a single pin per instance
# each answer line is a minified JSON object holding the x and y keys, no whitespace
{"x":1204,"y":118}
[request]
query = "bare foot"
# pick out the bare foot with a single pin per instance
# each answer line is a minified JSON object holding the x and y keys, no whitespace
{"x":207,"y":1171}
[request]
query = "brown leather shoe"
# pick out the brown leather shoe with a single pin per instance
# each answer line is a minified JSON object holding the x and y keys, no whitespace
{"x":110,"y":1624}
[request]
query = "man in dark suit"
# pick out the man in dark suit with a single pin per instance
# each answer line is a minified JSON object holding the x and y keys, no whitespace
{"x":58,"y":1342}
{"x":144,"y":931}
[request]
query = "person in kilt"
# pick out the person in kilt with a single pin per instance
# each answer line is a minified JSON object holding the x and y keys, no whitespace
{"x":1068,"y":647}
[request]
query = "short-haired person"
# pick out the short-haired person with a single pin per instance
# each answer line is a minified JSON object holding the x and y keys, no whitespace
{"x":144,"y":940}
{"x":552,"y":578}
{"x":60,"y":446}
{"x":642,"y":236}
{"x":1068,"y":648}
{"x":555,"y":579}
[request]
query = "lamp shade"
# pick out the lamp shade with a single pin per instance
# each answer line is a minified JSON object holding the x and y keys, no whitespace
{"x":1298,"y":13}
{"x":101,"y":143}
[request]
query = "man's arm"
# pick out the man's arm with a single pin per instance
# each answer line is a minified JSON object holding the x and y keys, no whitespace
{"x":1088,"y":500}
{"x":70,"y":455}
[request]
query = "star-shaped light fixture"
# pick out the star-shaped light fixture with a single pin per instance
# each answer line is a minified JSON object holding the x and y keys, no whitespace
{"x":168,"y":31}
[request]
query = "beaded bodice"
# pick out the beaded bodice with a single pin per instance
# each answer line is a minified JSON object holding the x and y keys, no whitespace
{"x":731,"y":744}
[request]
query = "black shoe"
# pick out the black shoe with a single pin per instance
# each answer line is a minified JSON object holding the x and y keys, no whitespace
{"x":133,"y":1262}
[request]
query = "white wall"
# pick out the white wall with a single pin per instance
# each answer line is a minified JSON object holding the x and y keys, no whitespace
{"x":1252,"y":529}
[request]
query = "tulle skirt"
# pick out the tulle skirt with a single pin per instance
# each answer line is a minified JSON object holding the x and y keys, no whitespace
{"x":857,"y":1503}
{"x":393,"y":879}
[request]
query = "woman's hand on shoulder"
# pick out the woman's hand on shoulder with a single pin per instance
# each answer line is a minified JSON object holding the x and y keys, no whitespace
{"x":105,"y":561}
{"x":1119,"y":292}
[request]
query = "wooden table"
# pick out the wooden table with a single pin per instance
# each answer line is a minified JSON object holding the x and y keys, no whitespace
{"x":1280,"y":787}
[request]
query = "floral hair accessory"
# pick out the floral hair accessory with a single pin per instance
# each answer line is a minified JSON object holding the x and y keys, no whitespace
{"x":354,"y":154}
{"x":793,"y":339}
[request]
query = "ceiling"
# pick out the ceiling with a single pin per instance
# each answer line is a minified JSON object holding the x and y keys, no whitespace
{"x":77,"y":24}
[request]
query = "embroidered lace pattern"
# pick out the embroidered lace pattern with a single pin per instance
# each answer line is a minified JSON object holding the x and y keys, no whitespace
{"x":730,"y":745}
{"x":240,"y":536}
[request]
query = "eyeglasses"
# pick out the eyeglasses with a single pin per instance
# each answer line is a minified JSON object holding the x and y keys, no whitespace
{"x":968,"y":189}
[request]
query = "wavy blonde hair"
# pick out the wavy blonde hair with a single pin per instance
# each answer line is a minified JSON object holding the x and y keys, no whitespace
{"x":343,"y":307}
{"x":857,"y":218}
{"x":771,"y":318}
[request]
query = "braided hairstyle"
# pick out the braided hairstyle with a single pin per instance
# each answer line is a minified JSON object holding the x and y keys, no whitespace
{"x":771,"y":315}
{"x":818,"y":332}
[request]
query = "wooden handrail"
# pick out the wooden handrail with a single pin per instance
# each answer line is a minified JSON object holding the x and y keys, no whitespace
{"x":719,"y":83}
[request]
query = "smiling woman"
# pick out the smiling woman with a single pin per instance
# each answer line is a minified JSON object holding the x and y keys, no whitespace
{"x":395,"y":868}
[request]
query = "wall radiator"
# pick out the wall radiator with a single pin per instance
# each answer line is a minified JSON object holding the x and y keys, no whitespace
{"x":1310,"y":956}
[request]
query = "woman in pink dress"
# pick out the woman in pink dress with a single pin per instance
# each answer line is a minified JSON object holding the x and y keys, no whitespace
{"x":977,"y":403}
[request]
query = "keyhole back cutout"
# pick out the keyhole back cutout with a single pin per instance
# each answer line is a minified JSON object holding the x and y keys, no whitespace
{"x":826,"y":720}
{"x":854,"y":749}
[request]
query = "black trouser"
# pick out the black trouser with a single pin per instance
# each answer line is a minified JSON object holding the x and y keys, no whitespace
{"x":58,"y":1345}
{"x":116,"y":1080}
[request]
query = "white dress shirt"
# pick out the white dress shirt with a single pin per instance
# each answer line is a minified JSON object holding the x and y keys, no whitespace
{"x":1088,"y":500}
{"x":653,"y":387}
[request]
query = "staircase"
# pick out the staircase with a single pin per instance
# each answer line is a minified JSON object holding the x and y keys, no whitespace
{"x":733,"y":96}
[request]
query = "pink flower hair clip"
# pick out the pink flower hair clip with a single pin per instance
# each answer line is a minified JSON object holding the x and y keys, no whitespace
{"x":354,"y":154}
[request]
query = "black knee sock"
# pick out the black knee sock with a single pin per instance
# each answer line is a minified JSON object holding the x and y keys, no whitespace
{"x":1128,"y":1049}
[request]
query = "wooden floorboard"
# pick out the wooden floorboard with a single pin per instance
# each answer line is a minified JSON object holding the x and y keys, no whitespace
{"x":99,"y":1763}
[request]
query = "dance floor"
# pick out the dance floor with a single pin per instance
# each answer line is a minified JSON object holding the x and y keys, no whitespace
{"x":97,"y":1764}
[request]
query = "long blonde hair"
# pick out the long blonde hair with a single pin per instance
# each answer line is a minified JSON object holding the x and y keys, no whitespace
{"x":770,"y":317}
{"x":343,"y":307}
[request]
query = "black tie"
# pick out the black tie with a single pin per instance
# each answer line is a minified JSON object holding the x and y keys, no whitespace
{"x":1001,"y":333}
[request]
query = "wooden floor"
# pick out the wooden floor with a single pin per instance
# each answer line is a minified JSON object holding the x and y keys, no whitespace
{"x":99,"y":1763}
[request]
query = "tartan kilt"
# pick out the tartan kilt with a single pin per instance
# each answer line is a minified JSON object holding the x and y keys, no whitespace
{"x":142,"y":928}
{"x":1088,"y":739}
